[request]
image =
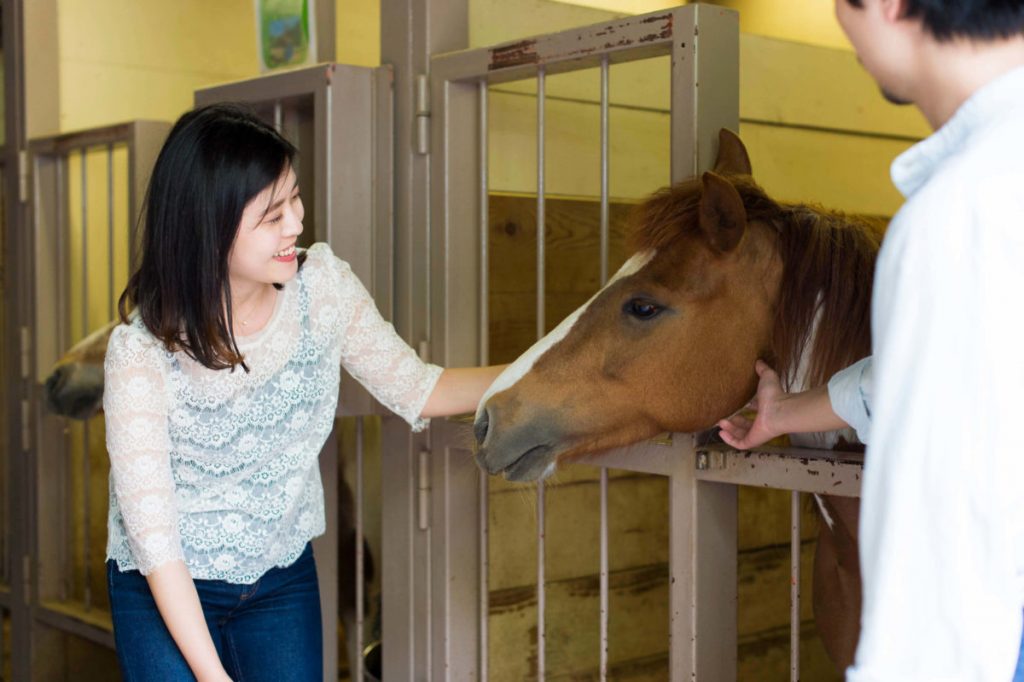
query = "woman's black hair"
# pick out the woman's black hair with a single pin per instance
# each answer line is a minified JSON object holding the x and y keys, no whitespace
{"x":976,"y":19}
{"x":215,"y":160}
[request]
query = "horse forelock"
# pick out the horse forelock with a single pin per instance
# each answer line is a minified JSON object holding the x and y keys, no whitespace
{"x":518,"y":369}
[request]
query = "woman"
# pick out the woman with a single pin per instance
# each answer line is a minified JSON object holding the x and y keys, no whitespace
{"x":221,"y":389}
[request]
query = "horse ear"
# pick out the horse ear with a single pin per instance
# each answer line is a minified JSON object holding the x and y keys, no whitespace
{"x":723,"y":219}
{"x":732,"y":154}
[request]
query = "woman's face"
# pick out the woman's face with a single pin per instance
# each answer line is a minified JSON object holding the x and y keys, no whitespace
{"x":264,"y":248}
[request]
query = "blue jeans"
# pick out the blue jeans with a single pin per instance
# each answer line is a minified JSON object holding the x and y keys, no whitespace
{"x":269,"y":630}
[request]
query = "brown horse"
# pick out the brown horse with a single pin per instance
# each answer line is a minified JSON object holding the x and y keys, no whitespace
{"x":722,"y":275}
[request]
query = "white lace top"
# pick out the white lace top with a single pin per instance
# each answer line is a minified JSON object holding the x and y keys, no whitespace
{"x":218,"y":467}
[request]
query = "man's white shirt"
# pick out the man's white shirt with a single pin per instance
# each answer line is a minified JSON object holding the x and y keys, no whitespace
{"x":942,"y":514}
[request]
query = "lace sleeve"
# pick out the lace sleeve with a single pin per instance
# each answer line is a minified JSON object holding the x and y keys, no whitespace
{"x":135,"y":403}
{"x":371,"y":349}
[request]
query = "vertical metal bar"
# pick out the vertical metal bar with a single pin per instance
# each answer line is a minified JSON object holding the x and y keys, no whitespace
{"x":794,"y":587}
{"x":604,"y":170}
{"x":110,"y":232}
{"x":484,"y":360}
{"x":63,"y":184}
{"x":604,"y":576}
{"x":360,"y":559}
{"x":278,"y":116}
{"x":541,"y":590}
{"x":85,"y":331}
{"x":484,"y":232}
{"x":541,"y":596}
{"x":540,"y":202}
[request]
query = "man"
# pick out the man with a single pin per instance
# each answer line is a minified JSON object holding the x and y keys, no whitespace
{"x":941,"y":403}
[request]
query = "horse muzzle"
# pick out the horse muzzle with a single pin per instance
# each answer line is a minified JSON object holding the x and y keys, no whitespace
{"x":525,"y":451}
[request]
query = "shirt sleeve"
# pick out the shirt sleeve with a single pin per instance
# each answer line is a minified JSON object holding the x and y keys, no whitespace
{"x":135,"y":405}
{"x":850,"y":393}
{"x":940,"y":525}
{"x":371,"y":350}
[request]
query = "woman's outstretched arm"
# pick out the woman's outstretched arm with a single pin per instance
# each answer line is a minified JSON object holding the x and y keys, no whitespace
{"x":459,"y":390}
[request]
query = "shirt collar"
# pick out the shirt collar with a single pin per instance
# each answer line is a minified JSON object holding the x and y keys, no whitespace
{"x":914,"y":167}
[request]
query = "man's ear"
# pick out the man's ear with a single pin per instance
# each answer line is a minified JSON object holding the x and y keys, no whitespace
{"x":893,"y":10}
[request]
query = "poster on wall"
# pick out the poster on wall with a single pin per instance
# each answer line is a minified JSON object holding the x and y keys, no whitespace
{"x":285,"y":33}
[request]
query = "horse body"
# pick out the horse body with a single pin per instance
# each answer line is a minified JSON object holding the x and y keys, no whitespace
{"x":723,"y":275}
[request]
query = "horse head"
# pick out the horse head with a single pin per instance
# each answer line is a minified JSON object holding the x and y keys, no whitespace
{"x":74,"y":387}
{"x":721,"y":276}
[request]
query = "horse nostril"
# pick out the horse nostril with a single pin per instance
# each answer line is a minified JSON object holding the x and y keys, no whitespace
{"x":56,"y":380}
{"x":480,"y":427}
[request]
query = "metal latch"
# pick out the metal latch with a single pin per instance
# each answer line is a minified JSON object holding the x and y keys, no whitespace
{"x":23,"y":175}
{"x":423,"y":489}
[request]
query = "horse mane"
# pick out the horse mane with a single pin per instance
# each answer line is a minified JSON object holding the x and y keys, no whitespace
{"x":828,"y":262}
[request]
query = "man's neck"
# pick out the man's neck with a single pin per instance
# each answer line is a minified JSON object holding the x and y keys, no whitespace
{"x":951,"y":72}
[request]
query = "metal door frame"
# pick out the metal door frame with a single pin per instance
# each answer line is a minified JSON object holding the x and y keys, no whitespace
{"x":17,"y":270}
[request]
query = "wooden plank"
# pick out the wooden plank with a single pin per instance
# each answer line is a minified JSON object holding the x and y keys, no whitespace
{"x":638,"y":622}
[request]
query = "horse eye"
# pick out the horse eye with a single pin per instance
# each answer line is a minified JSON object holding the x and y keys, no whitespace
{"x":642,"y":309}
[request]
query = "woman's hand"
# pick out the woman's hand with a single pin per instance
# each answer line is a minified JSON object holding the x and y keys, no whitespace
{"x":744,"y":434}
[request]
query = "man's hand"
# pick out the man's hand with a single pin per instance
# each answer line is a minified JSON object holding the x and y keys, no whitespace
{"x":744,"y":434}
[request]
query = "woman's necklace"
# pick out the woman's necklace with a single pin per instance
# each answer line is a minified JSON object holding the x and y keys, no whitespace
{"x":252,"y":311}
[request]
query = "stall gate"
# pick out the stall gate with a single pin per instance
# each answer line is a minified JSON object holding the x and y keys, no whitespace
{"x":86,"y":190}
{"x":436,"y":595}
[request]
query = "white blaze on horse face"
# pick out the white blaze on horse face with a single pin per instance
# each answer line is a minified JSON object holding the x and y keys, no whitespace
{"x":517,"y":370}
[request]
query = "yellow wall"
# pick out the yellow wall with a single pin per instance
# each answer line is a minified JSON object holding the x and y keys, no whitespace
{"x":144,"y":59}
{"x":803,"y":21}
{"x":357,"y":30}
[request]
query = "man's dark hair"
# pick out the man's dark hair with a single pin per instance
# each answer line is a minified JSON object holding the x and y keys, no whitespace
{"x":215,"y":160}
{"x":976,"y":19}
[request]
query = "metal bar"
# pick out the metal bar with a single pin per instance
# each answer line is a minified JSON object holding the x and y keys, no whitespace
{"x":603,"y":671}
{"x":63,"y":180}
{"x":71,"y":142}
{"x":541,"y":590}
{"x":484,"y":232}
{"x":277,"y":115}
{"x":626,"y":39}
{"x":483,"y":522}
{"x":540,"y":202}
{"x":86,"y":554}
{"x":809,"y":471}
{"x":110,"y":231}
{"x":794,"y":588}
{"x":485,"y":567}
{"x":360,"y":559}
{"x":604,"y":169}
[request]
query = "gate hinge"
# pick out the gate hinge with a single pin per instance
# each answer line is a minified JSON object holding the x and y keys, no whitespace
{"x":26,"y":352}
{"x":423,"y":489}
{"x":26,"y":429}
{"x":422,"y":114}
{"x":23,"y":175}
